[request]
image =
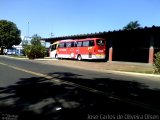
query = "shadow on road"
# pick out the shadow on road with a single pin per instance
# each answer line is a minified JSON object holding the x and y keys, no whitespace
{"x":37,"y":98}
{"x":122,"y":88}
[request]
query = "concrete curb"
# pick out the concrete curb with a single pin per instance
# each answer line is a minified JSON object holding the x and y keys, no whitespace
{"x":110,"y":71}
{"x":47,"y":58}
{"x":119,"y":72}
{"x":15,"y":57}
{"x":134,"y":73}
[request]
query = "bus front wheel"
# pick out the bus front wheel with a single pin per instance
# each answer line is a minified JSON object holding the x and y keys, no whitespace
{"x":56,"y":56}
{"x":79,"y":58}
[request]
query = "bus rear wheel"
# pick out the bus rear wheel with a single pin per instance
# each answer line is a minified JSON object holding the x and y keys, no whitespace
{"x":79,"y":58}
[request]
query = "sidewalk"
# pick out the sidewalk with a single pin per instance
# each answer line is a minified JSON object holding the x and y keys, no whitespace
{"x":117,"y":66}
{"x":130,"y":68}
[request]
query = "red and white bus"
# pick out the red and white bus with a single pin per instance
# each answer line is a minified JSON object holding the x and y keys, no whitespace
{"x":89,"y":48}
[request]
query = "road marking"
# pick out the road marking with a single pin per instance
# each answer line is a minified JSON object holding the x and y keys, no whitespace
{"x":58,"y":81}
{"x":27,"y":71}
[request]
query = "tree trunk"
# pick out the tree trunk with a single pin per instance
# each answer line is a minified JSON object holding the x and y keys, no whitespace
{"x":1,"y":50}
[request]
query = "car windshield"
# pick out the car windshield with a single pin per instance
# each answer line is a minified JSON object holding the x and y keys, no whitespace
{"x":100,"y":42}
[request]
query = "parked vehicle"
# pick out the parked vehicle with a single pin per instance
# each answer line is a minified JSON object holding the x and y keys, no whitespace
{"x":15,"y":50}
{"x":10,"y":51}
{"x":89,"y":48}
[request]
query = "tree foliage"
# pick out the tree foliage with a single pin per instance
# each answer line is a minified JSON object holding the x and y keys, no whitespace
{"x":35,"y":50}
{"x":132,"y":25}
{"x":25,"y":43}
{"x":157,"y":63}
{"x":36,"y":40}
{"x":9,"y":34}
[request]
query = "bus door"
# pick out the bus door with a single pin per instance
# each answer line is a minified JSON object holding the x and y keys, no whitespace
{"x":53,"y":50}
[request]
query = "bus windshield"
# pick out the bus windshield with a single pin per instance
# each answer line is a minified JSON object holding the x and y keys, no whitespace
{"x":100,"y":42}
{"x":53,"y":47}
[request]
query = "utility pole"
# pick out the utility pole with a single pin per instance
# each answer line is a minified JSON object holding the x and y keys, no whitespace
{"x":52,"y":34}
{"x":26,"y":38}
{"x":28,"y":30}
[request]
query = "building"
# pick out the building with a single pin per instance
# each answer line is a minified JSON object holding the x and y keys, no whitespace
{"x":18,"y":49}
{"x":137,"y":45}
{"x":15,"y":50}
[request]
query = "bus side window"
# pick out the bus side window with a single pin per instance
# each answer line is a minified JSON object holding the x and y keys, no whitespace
{"x":62,"y":45}
{"x":68,"y":44}
{"x":91,"y":43}
{"x":73,"y":44}
{"x":85,"y":43}
{"x":79,"y":44}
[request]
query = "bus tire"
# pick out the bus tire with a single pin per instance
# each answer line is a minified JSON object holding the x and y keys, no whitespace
{"x":79,"y":58}
{"x":56,"y":56}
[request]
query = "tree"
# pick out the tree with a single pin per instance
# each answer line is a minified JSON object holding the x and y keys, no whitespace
{"x":132,"y":25}
{"x":36,"y":40}
{"x":35,"y":50}
{"x":9,"y":34}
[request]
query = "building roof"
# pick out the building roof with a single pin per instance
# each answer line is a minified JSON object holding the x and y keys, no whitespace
{"x":152,"y":29}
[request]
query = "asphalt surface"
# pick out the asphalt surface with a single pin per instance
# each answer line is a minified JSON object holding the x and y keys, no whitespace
{"x":35,"y":91}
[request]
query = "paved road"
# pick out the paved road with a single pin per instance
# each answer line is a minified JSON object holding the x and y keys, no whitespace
{"x":30,"y":90}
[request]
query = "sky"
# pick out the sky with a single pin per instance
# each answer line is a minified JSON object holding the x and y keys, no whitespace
{"x":72,"y":17}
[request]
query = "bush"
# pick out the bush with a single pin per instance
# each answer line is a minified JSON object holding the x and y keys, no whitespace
{"x":157,"y":63}
{"x":34,"y":51}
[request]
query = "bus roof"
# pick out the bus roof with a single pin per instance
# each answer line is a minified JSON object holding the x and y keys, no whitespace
{"x":71,"y":40}
{"x":55,"y":42}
